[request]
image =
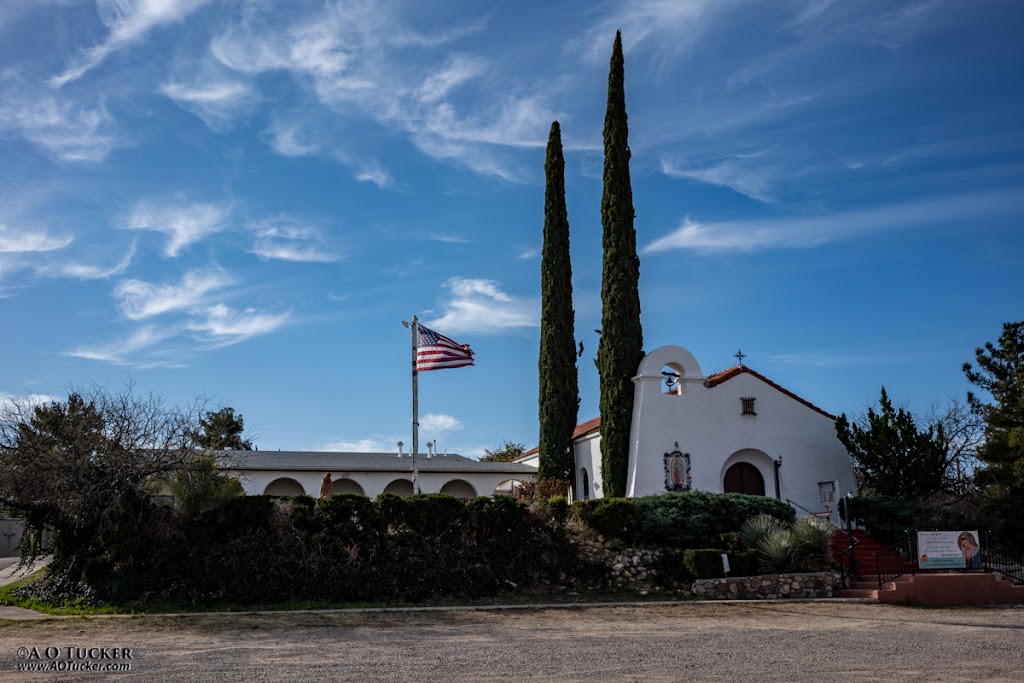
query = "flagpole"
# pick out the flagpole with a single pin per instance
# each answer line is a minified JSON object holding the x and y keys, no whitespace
{"x":415,"y":409}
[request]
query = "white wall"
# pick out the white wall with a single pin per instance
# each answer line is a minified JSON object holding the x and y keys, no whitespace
{"x":587,"y":450}
{"x":255,"y":482}
{"x":707,"y":423}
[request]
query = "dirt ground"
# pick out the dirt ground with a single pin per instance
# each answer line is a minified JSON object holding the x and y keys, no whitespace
{"x":757,"y":642}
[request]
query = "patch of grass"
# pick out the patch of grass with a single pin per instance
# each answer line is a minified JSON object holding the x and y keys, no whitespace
{"x":7,"y":597}
{"x":137,"y":609}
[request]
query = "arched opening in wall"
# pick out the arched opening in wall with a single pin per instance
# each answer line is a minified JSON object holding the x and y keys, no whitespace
{"x":399,"y":487}
{"x":509,"y":487}
{"x":672,"y":379}
{"x":584,"y":484}
{"x":459,"y":488}
{"x":285,"y":486}
{"x":743,"y":477}
{"x":348,"y":486}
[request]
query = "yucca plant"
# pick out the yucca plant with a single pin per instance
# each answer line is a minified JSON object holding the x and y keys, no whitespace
{"x":776,"y":553}
{"x":758,"y":528}
{"x":812,"y":544}
{"x":804,"y":546}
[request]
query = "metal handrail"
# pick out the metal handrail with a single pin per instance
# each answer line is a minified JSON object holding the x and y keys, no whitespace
{"x":812,"y":514}
{"x":846,"y":575}
{"x":1005,"y":558}
{"x":896,"y":560}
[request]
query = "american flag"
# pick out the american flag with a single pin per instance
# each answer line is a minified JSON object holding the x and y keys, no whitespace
{"x":436,"y":352}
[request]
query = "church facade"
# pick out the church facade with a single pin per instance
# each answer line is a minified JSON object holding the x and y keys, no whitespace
{"x":733,"y":431}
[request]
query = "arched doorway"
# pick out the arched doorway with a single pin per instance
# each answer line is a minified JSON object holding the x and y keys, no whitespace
{"x":399,"y":487}
{"x":348,"y":486}
{"x":743,"y":477}
{"x":285,"y":486}
{"x":459,"y":489}
{"x":584,"y":484}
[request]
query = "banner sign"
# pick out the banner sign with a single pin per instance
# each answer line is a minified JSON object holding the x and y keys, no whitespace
{"x":948,"y":549}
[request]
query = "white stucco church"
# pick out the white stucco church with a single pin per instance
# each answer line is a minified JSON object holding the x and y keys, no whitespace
{"x":733,"y":431}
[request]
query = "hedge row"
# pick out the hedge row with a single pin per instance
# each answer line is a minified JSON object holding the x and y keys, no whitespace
{"x":689,"y":520}
{"x":892,"y":518}
{"x":260,"y":550}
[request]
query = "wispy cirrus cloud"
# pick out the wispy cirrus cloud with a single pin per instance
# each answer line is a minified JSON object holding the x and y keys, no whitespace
{"x":184,"y":223}
{"x":128,"y":22}
{"x":374,"y":172}
{"x":140,"y":300}
{"x":29,"y":242}
{"x":87,"y":271}
{"x":668,"y":28}
{"x":808,"y":231}
{"x":283,"y":240}
{"x":356,"y":59}
{"x":224,"y":326}
{"x":127,"y":351}
{"x":458,"y":69}
{"x":478,"y":305}
{"x":734,"y":172}
{"x":66,"y":131}
{"x":289,"y":140}
{"x":216,"y":101}
{"x":449,"y":239}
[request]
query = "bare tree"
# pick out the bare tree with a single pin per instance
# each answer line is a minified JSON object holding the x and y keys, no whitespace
{"x":963,"y":431}
{"x":84,"y":469}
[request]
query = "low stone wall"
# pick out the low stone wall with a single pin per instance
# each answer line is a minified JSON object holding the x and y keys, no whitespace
{"x":630,"y":567}
{"x":769,"y":587}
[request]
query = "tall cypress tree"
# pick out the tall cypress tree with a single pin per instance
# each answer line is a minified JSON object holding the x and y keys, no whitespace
{"x":621,"y":347}
{"x":559,"y":389}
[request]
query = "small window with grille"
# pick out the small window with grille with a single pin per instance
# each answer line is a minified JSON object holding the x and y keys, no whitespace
{"x":748,"y":406}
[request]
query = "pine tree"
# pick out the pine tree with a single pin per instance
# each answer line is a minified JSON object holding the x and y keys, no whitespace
{"x":1000,"y":373}
{"x":621,"y":347}
{"x":559,"y":388}
{"x":894,"y":457}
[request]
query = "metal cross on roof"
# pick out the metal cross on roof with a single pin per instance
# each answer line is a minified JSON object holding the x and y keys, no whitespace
{"x":740,"y":356}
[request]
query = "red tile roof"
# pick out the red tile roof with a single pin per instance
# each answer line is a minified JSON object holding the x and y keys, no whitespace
{"x":736,"y":370}
{"x":582,"y":429}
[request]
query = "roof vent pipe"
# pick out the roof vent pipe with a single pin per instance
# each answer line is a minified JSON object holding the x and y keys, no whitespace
{"x":400,"y":449}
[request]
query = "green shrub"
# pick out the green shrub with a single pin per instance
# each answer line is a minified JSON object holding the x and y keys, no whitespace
{"x":694,"y":518}
{"x":703,"y":563}
{"x":433,"y":514}
{"x":245,"y":513}
{"x":556,"y":509}
{"x":671,"y":567}
{"x":610,"y":517}
{"x":302,"y":512}
{"x":743,"y":563}
{"x":891,"y":519}
{"x":487,"y":517}
{"x":348,"y":519}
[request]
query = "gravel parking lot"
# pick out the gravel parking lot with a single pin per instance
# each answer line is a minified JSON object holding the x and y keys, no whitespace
{"x":758,"y":642}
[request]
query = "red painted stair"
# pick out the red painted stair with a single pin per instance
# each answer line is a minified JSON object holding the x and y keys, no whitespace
{"x":864,"y":553}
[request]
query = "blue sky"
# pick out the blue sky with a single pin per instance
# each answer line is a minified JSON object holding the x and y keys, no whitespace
{"x":244,"y":199}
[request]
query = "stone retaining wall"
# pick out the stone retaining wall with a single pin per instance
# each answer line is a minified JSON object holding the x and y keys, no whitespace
{"x":630,"y":567}
{"x":769,"y":587}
